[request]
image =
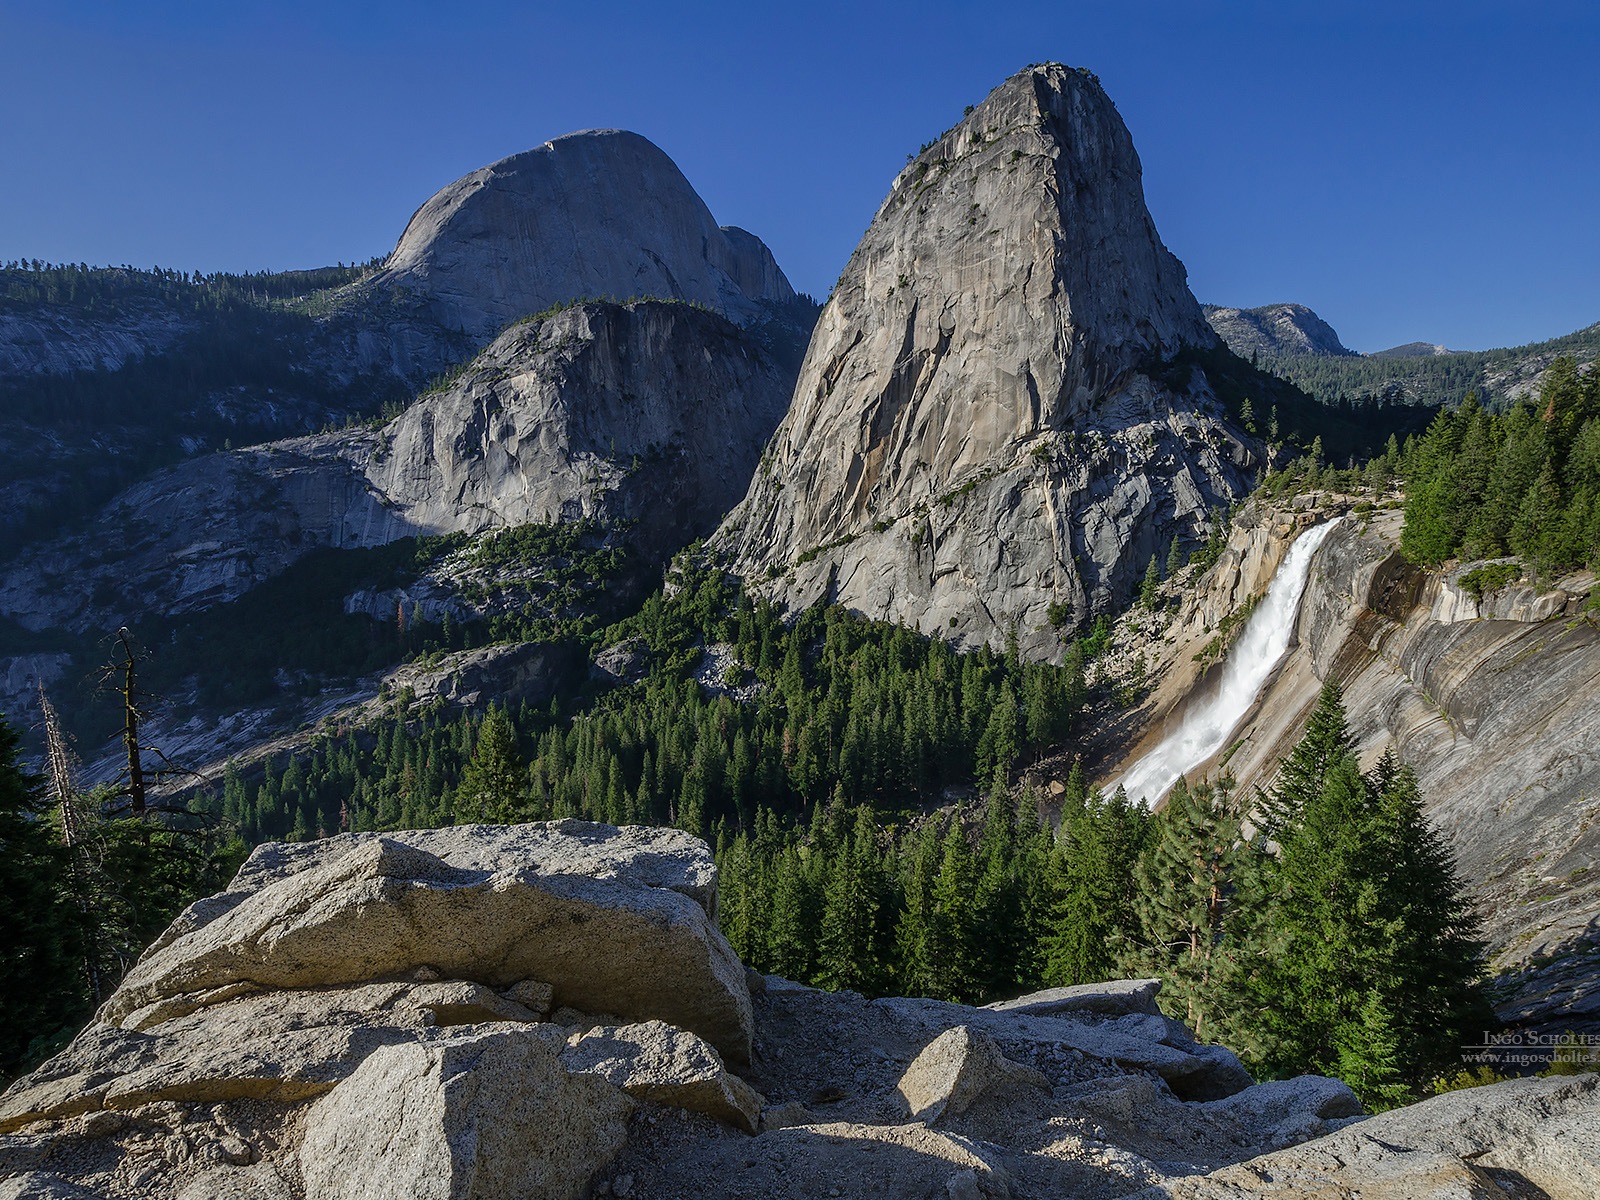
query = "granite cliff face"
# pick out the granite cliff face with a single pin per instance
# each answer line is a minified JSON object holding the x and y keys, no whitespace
{"x":1491,"y":699}
{"x":987,"y":422}
{"x":1275,"y":329}
{"x":647,"y":416}
{"x":602,"y":213}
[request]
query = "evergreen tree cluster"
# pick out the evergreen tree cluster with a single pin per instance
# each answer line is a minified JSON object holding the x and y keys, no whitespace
{"x":1358,"y":382}
{"x":862,"y":712}
{"x":1320,"y":928}
{"x":1323,"y":928}
{"x":248,"y":360}
{"x":29,"y":283}
{"x":79,"y":905}
{"x":1525,"y":482}
{"x":959,"y":905}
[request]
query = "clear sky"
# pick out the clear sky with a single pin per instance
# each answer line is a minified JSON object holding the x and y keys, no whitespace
{"x":1412,"y":171}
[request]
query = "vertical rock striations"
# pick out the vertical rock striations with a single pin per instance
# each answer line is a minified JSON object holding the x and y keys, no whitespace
{"x":989,"y":420}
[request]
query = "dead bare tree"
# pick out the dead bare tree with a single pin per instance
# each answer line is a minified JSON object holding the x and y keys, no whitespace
{"x":135,"y":780}
{"x":62,"y":764}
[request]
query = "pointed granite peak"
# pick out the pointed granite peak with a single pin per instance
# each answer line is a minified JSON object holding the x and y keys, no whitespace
{"x":984,"y":432}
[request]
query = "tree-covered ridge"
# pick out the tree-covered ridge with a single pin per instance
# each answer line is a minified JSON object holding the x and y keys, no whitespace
{"x":1287,"y":416}
{"x":1441,"y":380}
{"x":228,"y":359}
{"x":1525,"y":482}
{"x":841,"y":709}
{"x":25,"y":285}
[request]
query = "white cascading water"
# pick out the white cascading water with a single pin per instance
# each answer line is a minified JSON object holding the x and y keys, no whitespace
{"x":1206,"y":726}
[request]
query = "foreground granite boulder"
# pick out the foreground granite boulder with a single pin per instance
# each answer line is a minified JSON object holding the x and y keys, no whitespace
{"x":475,"y":1117}
{"x":955,"y":1069}
{"x":616,"y":921}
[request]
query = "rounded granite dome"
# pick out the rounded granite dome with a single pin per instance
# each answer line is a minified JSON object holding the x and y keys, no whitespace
{"x":601,"y":213}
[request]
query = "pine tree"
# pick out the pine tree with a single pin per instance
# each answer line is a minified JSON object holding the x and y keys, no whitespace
{"x":954,"y":964}
{"x":1325,"y":740}
{"x":1174,"y":557}
{"x":914,"y":947}
{"x":1358,"y":952}
{"x":1091,"y":909}
{"x":494,"y":784}
{"x":1184,"y":879}
{"x":851,"y":940}
{"x":791,"y":934}
{"x":1150,"y":589}
{"x":999,"y":917}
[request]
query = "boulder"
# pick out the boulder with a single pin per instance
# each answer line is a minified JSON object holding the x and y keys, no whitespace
{"x":1528,"y":1137}
{"x":955,"y":1069}
{"x":262,"y":1045}
{"x":1140,"y":1041}
{"x":1116,"y":997}
{"x":654,"y":1061}
{"x":617,"y":921}
{"x":486,"y":1116}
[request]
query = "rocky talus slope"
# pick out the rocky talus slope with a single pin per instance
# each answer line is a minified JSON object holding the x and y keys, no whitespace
{"x":987,"y":423}
{"x":601,"y":213}
{"x":542,"y":1011}
{"x":1493,"y":699}
{"x":648,"y":415}
{"x":1275,"y":329}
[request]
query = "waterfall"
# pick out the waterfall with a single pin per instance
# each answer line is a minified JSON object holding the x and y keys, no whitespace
{"x":1207,"y":725}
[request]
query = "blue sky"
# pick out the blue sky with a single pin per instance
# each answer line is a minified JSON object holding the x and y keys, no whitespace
{"x":1412,"y":171}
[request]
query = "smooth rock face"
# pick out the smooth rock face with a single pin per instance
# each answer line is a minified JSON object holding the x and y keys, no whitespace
{"x":1116,"y":997}
{"x":1529,"y":1137}
{"x":56,"y":340}
{"x":974,"y":436}
{"x":1491,"y":702}
{"x":587,"y":908}
{"x":485,"y":1116}
{"x":602,"y":213}
{"x":1275,"y":329}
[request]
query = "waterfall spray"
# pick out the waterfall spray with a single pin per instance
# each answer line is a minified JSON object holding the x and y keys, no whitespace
{"x":1206,"y":726}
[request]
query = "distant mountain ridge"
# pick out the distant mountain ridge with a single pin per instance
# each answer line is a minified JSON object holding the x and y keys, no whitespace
{"x":1294,"y":343}
{"x":1275,"y":329}
{"x":1412,"y":350}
